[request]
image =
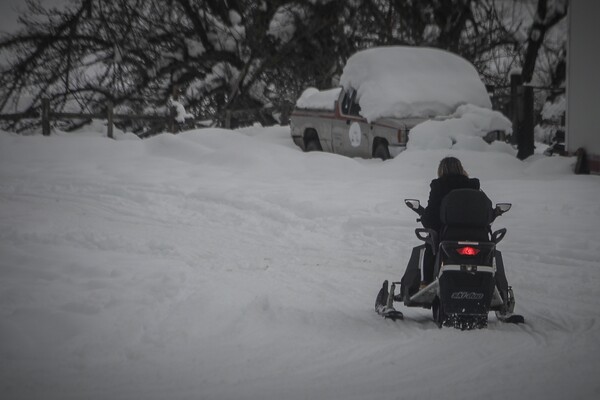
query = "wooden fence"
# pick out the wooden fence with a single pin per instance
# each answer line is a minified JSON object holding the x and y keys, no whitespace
{"x":170,"y":121}
{"x":48,"y":115}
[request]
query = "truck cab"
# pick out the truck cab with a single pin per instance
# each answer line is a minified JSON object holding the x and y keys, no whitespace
{"x":342,"y":130}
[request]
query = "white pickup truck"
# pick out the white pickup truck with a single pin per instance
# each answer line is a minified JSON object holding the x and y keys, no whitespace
{"x":331,"y":121}
{"x":384,"y":93}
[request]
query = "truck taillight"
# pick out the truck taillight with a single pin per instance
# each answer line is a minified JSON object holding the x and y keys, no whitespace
{"x":401,"y":136}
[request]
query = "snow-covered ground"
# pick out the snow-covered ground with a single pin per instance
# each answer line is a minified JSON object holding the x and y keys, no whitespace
{"x":229,"y":265}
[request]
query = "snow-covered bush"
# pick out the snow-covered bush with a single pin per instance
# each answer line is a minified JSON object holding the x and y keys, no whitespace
{"x":552,"y":120}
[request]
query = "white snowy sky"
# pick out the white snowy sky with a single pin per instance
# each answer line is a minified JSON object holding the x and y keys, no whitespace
{"x":8,"y":15}
{"x":11,"y":9}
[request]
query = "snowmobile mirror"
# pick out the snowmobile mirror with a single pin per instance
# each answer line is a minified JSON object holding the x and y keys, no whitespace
{"x":412,"y":204}
{"x":501,"y":208}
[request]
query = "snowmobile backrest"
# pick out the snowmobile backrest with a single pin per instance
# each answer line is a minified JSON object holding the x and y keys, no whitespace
{"x":466,"y":214}
{"x":466,"y":208}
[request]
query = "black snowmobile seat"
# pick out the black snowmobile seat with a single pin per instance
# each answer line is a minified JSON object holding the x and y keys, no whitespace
{"x":466,"y":214}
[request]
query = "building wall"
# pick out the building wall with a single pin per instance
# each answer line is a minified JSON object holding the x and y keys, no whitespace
{"x":583,"y":80}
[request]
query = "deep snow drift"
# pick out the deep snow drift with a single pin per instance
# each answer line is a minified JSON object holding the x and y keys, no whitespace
{"x":230,"y":265}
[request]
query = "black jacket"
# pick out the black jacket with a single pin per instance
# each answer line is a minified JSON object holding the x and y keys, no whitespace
{"x":440,"y":187}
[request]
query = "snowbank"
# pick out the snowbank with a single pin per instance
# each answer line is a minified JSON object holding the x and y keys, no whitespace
{"x":464,"y":129}
{"x":412,"y":81}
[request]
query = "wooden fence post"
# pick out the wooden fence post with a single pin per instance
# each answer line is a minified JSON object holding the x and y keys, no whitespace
{"x":227,"y":119}
{"x":46,"y":117}
{"x":172,"y":119}
{"x":109,"y":117}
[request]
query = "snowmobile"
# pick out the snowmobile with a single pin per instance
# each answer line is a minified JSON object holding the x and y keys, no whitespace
{"x":468,"y":270}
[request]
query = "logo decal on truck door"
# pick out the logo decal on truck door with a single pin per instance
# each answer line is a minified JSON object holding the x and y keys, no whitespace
{"x":355,"y":134}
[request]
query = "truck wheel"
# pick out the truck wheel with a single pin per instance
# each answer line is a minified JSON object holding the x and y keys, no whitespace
{"x":313,"y":145}
{"x":381,"y":151}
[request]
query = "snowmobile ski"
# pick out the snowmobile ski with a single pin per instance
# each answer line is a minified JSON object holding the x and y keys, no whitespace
{"x":505,"y":314}
{"x":510,"y":319}
{"x":384,"y":303}
{"x":392,"y":314}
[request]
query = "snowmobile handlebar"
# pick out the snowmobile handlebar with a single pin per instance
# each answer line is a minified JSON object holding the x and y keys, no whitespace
{"x":416,"y":206}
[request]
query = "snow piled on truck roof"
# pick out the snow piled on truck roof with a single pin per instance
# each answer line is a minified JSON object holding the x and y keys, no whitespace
{"x":412,"y":81}
{"x":314,"y":99}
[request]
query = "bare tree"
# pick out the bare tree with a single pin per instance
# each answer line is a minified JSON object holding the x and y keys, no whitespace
{"x":548,"y":14}
{"x":244,"y":59}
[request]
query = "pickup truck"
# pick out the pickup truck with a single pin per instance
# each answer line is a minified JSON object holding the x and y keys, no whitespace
{"x":400,"y":87}
{"x":339,"y":128}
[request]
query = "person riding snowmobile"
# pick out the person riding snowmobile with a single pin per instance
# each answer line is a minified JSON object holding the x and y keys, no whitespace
{"x":451,"y":176}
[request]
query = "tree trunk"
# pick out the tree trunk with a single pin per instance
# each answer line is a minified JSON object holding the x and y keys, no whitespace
{"x":542,"y":22}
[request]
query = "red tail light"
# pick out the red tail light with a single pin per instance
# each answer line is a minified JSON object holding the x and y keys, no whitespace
{"x":467,"y":251}
{"x":402,"y":136}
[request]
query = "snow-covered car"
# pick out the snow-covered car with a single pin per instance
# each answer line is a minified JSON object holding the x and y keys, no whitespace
{"x":385,"y":92}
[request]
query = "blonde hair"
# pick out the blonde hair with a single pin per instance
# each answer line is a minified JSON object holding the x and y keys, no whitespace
{"x":451,"y":166}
